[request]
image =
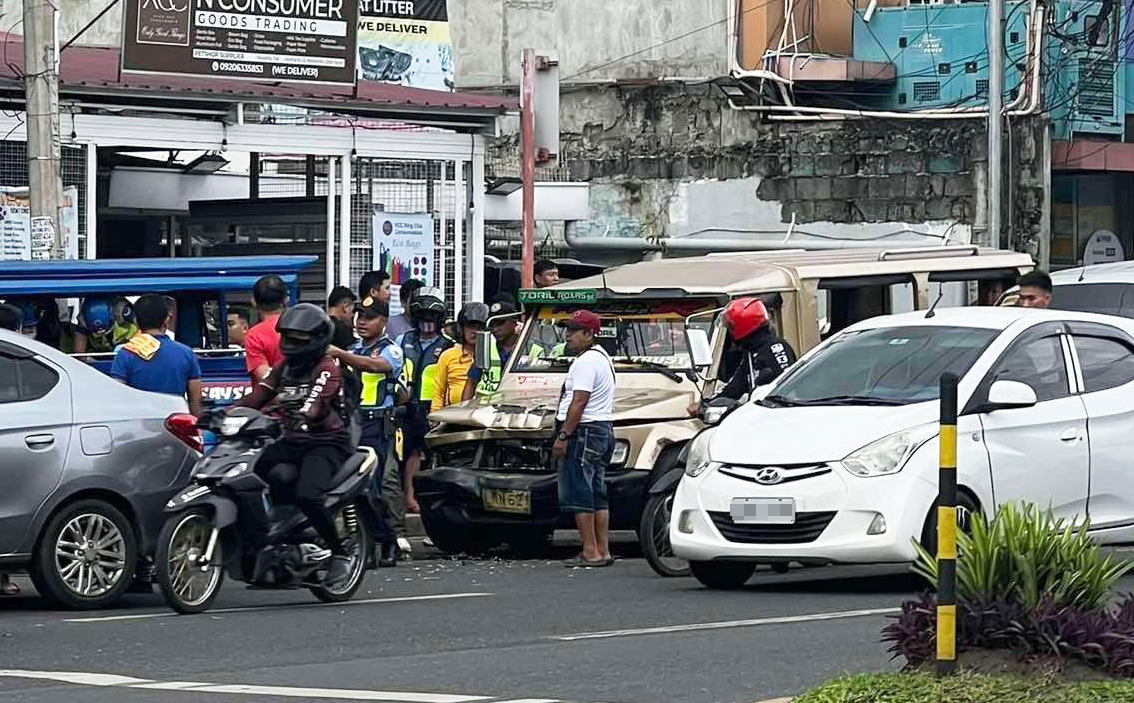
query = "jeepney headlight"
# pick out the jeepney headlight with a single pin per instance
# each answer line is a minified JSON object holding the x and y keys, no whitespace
{"x":621,"y":453}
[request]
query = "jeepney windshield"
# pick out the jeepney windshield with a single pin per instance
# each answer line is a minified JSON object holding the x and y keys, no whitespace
{"x":640,"y":334}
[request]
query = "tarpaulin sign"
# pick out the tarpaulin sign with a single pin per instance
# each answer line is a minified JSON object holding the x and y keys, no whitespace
{"x":405,"y":42}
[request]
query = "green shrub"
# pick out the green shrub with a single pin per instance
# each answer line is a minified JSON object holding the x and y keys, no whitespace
{"x":1026,"y":556}
{"x":964,"y":688}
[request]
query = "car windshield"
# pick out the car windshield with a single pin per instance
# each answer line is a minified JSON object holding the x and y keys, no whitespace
{"x":639,"y":336}
{"x":882,"y":366}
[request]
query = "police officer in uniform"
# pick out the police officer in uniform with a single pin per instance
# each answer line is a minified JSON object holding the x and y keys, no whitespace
{"x":504,"y":324}
{"x":378,"y":361}
{"x":421,"y":348}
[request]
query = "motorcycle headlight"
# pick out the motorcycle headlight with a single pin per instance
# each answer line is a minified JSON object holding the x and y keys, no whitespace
{"x":697,"y":460}
{"x":888,"y":455}
{"x":236,"y":470}
{"x":232,"y":425}
{"x":621,"y":453}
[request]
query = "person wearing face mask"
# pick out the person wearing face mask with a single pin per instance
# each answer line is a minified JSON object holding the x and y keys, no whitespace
{"x":421,"y":349}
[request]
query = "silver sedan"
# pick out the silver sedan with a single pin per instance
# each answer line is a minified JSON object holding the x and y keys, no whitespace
{"x":86,"y":467}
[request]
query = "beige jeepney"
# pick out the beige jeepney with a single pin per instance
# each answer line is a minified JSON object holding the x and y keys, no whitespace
{"x":490,"y":479}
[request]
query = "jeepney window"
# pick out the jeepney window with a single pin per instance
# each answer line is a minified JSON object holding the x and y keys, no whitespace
{"x":844,"y":301}
{"x":645,"y":331}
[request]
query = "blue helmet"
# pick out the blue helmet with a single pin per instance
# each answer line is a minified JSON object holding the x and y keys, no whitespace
{"x":98,"y":315}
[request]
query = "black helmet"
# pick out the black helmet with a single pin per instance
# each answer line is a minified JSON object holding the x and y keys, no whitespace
{"x":428,"y":302}
{"x":473,"y":314}
{"x":305,"y":333}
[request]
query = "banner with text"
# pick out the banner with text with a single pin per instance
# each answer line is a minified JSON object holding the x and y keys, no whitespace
{"x":267,"y":40}
{"x":403,"y":248}
{"x":23,"y":237}
{"x":405,"y":42}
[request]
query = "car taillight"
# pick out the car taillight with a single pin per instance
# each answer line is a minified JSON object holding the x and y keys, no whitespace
{"x":184,"y":427}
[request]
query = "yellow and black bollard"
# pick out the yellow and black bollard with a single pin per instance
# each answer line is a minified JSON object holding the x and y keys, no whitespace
{"x":947,"y":531}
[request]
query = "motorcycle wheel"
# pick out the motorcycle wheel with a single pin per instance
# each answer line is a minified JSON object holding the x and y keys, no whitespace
{"x":653,"y":535}
{"x":186,"y":587}
{"x":363,"y":545}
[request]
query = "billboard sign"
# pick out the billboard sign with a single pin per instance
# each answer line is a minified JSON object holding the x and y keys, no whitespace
{"x":405,"y":42}
{"x":307,"y":41}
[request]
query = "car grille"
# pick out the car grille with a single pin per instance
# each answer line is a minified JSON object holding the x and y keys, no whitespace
{"x":807,"y":528}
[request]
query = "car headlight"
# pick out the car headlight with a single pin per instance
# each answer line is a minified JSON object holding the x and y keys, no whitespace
{"x":889,"y":454}
{"x":621,"y":453}
{"x":232,"y":425}
{"x":236,"y":470}
{"x":697,"y":460}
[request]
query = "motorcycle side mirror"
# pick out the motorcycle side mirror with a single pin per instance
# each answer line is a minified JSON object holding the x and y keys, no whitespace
{"x":482,"y":357}
{"x":700,"y":351}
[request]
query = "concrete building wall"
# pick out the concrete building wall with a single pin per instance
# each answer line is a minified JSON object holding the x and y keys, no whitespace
{"x":73,"y":16}
{"x":488,"y":36}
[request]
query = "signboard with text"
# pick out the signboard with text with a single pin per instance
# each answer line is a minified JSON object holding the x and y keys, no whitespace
{"x":405,"y":42}
{"x":403,"y":246}
{"x":309,"y":41}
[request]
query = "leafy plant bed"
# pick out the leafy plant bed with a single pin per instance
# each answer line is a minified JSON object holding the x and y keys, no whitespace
{"x":966,"y":687}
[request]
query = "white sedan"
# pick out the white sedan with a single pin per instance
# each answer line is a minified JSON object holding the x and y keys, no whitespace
{"x":838,"y":460}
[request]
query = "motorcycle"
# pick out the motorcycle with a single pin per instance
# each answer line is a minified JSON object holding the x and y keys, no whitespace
{"x":204,"y":536}
{"x":654,"y":528}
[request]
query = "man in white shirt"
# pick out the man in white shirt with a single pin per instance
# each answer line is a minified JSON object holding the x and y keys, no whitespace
{"x":584,"y":438}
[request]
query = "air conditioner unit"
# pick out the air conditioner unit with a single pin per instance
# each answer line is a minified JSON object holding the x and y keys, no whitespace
{"x":1086,"y":88}
{"x":940,"y":53}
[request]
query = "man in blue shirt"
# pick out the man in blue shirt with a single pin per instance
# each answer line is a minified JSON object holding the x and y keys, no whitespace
{"x":378,"y":361}
{"x":151,"y":361}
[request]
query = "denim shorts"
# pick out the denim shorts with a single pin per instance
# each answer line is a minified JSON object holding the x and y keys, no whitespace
{"x":582,"y":473}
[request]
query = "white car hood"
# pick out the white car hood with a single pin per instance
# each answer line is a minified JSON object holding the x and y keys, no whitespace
{"x":758,"y":435}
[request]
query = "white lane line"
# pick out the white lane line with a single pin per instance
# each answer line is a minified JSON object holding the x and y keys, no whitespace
{"x":73,"y":677}
{"x":112,"y":680}
{"x":724,"y":625}
{"x":531,"y":700}
{"x":252,"y":608}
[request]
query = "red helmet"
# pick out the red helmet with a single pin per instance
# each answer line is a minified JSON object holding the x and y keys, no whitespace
{"x":744,"y":316}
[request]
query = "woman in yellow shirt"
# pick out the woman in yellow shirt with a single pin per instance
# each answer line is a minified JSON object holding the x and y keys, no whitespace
{"x":454,"y":363}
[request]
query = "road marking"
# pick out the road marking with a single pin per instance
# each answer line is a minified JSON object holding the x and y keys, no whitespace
{"x":531,"y":700}
{"x":724,"y":625}
{"x":113,"y":680}
{"x":251,"y":608}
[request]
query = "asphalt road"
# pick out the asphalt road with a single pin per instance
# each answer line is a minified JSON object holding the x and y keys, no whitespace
{"x":448,"y":631}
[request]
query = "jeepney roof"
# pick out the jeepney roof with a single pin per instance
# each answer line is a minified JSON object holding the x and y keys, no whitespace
{"x":736,"y":273}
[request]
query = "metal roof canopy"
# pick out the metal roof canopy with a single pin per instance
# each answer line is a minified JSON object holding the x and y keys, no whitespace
{"x":78,"y":278}
{"x":742,"y":272}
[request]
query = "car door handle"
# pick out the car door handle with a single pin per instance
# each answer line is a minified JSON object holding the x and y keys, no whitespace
{"x":1070,"y":434}
{"x":39,"y":441}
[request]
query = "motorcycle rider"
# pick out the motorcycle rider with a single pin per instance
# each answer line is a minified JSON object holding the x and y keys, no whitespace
{"x":421,"y":348}
{"x":379,"y":361}
{"x":764,"y":354}
{"x":104,"y":325}
{"x":306,"y":394}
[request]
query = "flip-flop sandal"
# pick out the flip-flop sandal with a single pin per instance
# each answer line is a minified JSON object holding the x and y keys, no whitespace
{"x":9,"y":589}
{"x":582,"y":562}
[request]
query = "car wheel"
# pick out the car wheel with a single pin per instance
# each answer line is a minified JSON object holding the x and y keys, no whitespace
{"x":87,"y":556}
{"x":653,"y":535}
{"x":966,"y":507}
{"x":456,"y":539}
{"x":722,"y":575}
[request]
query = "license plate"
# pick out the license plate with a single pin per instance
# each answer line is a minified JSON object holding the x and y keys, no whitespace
{"x":502,"y":501}
{"x":767,"y":511}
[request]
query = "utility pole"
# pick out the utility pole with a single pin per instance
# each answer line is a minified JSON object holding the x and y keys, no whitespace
{"x":41,"y":88}
{"x":995,"y":106}
{"x":527,"y":168}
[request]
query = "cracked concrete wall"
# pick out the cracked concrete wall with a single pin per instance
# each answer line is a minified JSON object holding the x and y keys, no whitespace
{"x":613,"y":38}
{"x":674,"y":160}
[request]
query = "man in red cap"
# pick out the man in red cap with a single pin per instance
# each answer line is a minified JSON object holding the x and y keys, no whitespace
{"x":584,"y":438}
{"x":765,"y":355}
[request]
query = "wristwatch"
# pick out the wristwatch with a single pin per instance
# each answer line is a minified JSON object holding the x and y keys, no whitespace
{"x":563,"y":437}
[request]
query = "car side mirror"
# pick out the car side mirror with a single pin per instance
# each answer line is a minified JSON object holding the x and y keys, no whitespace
{"x":1005,"y":395}
{"x":700,"y":351}
{"x":715,"y":411}
{"x":482,"y":357}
